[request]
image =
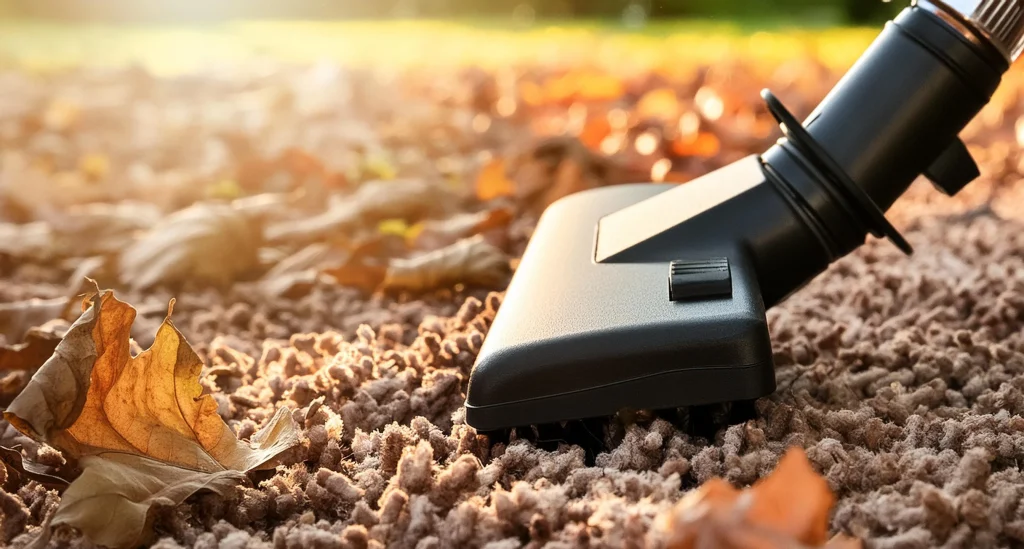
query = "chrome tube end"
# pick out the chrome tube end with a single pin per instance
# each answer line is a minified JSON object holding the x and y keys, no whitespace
{"x":997,"y":22}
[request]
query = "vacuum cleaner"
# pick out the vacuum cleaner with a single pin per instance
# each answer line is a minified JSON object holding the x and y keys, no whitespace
{"x":653,"y":296}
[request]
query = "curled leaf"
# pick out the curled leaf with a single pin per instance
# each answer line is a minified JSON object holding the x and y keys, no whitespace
{"x":143,"y":430}
{"x":789,"y":508}
{"x":373,"y":201}
{"x":20,"y":466}
{"x":469,"y":261}
{"x":28,"y":241}
{"x":111,"y":502}
{"x":559,"y":166}
{"x":365,"y":275}
{"x":209,"y":242}
{"x":19,"y":361}
{"x":438,"y":233}
{"x":16,"y":319}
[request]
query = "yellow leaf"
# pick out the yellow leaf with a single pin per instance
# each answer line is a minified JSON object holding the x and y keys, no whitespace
{"x":143,"y":430}
{"x":378,"y":165}
{"x":397,"y":227}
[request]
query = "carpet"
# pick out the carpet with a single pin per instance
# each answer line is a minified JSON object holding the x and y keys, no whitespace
{"x":902,"y":377}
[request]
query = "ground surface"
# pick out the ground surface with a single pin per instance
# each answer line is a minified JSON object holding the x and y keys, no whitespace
{"x":902,"y":377}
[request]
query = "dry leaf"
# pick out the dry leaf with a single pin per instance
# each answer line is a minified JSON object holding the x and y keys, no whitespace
{"x":595,"y":130}
{"x":16,"y":319}
{"x":702,"y":144}
{"x":433,"y":234}
{"x":209,"y":242}
{"x":142,"y":429}
{"x":28,"y":241}
{"x":294,"y":275}
{"x":364,"y":275}
{"x":559,"y":166}
{"x":492,"y":181}
{"x":110,"y":501}
{"x":371,"y":202}
{"x":468,"y":261}
{"x":19,"y":361}
{"x":100,"y":229}
{"x":20,"y":466}
{"x":788,"y":508}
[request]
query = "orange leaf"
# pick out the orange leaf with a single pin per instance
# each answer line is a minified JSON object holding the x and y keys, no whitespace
{"x":703,"y":144}
{"x":594,"y":131}
{"x":493,"y":182}
{"x":788,"y":508}
{"x":793,"y":500}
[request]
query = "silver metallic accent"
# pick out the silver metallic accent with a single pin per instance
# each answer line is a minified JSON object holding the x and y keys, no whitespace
{"x":997,"y":22}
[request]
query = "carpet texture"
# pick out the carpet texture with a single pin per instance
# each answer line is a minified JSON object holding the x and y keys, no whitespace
{"x":902,"y":377}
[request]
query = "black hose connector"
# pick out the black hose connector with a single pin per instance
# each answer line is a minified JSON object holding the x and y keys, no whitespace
{"x":894,"y":116}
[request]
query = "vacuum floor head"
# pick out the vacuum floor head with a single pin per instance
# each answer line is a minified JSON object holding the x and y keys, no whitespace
{"x":580,"y":336}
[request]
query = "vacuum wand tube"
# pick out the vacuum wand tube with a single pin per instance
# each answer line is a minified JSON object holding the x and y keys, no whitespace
{"x":894,"y":116}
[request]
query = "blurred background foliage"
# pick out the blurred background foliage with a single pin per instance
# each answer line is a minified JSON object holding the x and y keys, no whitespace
{"x":628,"y":12}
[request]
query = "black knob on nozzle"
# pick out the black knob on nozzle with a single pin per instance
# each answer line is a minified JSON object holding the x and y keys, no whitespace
{"x":893,"y":117}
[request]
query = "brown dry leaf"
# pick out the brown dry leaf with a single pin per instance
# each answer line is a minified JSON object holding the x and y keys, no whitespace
{"x":99,"y":228}
{"x":437,"y":233}
{"x":294,"y":275}
{"x":468,"y":261}
{"x":371,"y":202}
{"x":19,"y":361}
{"x":788,"y":508}
{"x":34,"y":240}
{"x":18,"y":465}
{"x":209,"y":242}
{"x":110,"y":502}
{"x":16,"y":319}
{"x":556,"y":167}
{"x":492,"y":182}
{"x":366,"y":276}
{"x":141,"y":428}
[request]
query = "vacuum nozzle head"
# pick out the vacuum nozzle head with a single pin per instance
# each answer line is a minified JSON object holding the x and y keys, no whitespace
{"x":997,"y":22}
